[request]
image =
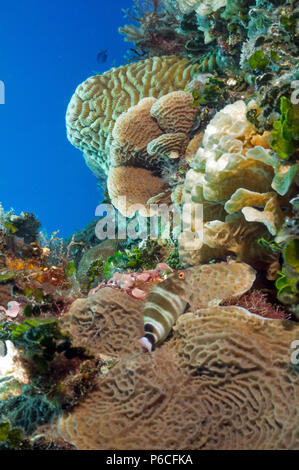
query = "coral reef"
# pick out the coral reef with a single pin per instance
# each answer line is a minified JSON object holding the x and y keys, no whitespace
{"x":233,"y":173}
{"x":154,"y":31}
{"x":107,"y":322}
{"x":200,"y":287}
{"x":143,"y":136}
{"x":180,"y":333}
{"x":196,"y":392}
{"x":101,"y":99}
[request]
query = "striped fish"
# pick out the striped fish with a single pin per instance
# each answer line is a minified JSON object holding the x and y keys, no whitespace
{"x":201,"y":286}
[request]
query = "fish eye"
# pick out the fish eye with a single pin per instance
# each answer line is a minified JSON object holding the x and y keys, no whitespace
{"x":181,"y":275}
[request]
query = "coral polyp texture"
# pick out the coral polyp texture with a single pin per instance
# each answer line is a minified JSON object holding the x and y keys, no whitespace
{"x":204,"y":389}
{"x":130,"y":189}
{"x":144,"y":139}
{"x":101,"y":99}
{"x":105,"y":323}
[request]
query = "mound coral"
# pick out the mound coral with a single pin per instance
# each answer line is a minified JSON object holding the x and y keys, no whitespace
{"x":137,"y":406}
{"x":230,"y":354}
{"x":214,"y":385}
{"x":101,"y":99}
{"x":107,"y":322}
{"x":233,"y":175}
{"x":131,"y":187}
{"x":146,"y":134}
{"x":200,"y":287}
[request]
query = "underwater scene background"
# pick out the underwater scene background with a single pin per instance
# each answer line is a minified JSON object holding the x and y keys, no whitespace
{"x":149,"y":290}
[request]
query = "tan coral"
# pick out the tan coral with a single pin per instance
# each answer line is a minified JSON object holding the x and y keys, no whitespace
{"x":242,"y":364}
{"x":132,"y":132}
{"x":129,"y":186}
{"x":143,"y":403}
{"x":239,"y":237}
{"x":174,"y":113}
{"x":107,"y":322}
{"x":246,"y":201}
{"x":170,"y":145}
{"x":193,"y":146}
{"x":224,"y":381}
{"x":146,"y":136}
{"x":100,"y":100}
{"x":212,"y":283}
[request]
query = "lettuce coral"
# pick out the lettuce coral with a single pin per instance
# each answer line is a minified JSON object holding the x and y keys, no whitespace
{"x":201,"y":7}
{"x":233,"y":175}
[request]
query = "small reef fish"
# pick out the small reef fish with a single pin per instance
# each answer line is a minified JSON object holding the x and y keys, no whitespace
{"x":199,"y":287}
{"x":102,"y":56}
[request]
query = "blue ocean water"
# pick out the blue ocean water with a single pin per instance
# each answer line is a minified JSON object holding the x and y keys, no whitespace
{"x":46,"y":49}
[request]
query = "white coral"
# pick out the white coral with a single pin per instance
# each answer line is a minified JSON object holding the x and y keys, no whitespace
{"x":231,"y":174}
{"x":201,"y":7}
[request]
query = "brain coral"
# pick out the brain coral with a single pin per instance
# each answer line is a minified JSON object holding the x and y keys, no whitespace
{"x":100,"y":100}
{"x":222,"y":382}
{"x":132,"y":132}
{"x":107,"y":322}
{"x":241,"y":363}
{"x":128,"y":186}
{"x":144,"y":138}
{"x":137,"y":406}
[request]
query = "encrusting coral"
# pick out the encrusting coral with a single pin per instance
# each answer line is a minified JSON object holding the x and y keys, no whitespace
{"x":214,"y":385}
{"x":101,"y":99}
{"x":107,"y":322}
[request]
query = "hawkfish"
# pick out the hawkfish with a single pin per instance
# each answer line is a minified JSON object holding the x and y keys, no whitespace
{"x":197,"y":287}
